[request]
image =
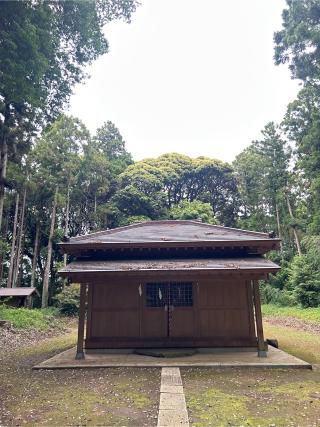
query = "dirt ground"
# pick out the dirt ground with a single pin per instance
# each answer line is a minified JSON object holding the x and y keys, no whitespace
{"x":99,"y":397}
{"x":130,"y":396}
{"x":260,"y":397}
{"x":255,"y":397}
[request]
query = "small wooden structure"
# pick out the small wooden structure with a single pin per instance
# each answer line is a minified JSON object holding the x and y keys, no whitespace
{"x":170,"y":284}
{"x":18,"y":297}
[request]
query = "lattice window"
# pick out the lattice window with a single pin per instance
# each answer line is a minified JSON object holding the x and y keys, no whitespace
{"x":156,"y":294}
{"x":178,"y":294}
{"x":181,"y":294}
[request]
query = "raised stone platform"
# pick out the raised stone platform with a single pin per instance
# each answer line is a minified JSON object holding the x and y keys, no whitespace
{"x":214,"y":358}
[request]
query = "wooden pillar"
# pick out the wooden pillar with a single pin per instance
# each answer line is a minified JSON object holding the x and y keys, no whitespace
{"x":262,"y":347}
{"x":82,"y":313}
{"x":28,"y":301}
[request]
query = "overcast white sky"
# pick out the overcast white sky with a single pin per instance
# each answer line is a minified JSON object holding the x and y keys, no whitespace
{"x":190,"y":76}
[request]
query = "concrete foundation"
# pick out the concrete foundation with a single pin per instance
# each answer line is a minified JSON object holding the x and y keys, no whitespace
{"x":214,"y":358}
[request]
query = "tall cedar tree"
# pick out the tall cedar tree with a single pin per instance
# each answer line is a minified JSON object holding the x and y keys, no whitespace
{"x":44,"y":46}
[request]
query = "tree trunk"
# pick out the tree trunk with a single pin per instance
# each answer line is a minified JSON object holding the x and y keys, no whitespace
{"x":35,"y":256}
{"x":3,"y":174}
{"x":296,"y":237}
{"x":95,"y":204}
{"x":13,"y":243}
{"x":4,"y":237}
{"x":20,"y":240}
{"x":93,"y":222}
{"x":278,"y":225}
{"x":39,"y":262}
{"x":45,"y":289}
{"x":66,"y":225}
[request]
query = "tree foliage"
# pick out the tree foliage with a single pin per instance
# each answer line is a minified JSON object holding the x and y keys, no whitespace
{"x":298,"y":41}
{"x":304,"y":273}
{"x":44,"y":47}
{"x":157,"y":184}
{"x":195,"y":210}
{"x":60,"y":180}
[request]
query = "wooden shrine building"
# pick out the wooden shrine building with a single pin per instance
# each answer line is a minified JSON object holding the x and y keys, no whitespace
{"x":170,"y":284}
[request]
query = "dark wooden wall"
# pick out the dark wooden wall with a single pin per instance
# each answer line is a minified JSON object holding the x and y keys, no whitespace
{"x":221,"y":315}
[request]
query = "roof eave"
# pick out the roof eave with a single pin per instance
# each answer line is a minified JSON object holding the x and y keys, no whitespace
{"x":147,"y":271}
{"x":72,"y":247}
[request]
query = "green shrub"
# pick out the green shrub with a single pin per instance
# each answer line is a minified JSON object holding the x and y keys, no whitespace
{"x":272,"y":295}
{"x":304,"y":274}
{"x":280,"y":280}
{"x":308,"y":293}
{"x":68,"y":301}
{"x":24,"y":318}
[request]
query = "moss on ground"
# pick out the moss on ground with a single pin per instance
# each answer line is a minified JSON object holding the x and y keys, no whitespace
{"x":213,"y":407}
{"x":114,"y":397}
{"x":82,"y":397}
{"x":300,"y":390}
{"x":252,"y":397}
{"x":79,"y":404}
{"x":216,"y":408}
{"x":259,"y":397}
{"x":124,"y":396}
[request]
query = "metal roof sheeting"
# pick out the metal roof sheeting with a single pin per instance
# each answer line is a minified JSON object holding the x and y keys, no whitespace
{"x":167,"y":234}
{"x":161,"y":231}
{"x":91,"y":266}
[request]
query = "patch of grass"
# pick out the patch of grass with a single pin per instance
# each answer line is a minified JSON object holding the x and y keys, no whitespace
{"x":54,"y":344}
{"x":301,"y":344}
{"x":293,"y":390}
{"x":307,"y":314}
{"x":24,"y":318}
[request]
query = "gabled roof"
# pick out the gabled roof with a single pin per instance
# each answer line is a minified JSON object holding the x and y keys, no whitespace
{"x":17,"y":292}
{"x":172,"y":233}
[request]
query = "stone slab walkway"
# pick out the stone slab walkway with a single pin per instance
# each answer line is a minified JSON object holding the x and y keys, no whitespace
{"x":172,"y":406}
{"x":215,"y":359}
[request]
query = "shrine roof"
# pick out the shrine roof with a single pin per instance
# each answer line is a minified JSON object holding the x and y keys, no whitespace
{"x":252,"y":264}
{"x":168,"y":234}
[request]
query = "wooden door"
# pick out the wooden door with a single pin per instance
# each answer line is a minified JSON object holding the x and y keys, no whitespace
{"x":154,"y":315}
{"x":181,"y":316}
{"x":168,"y":311}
